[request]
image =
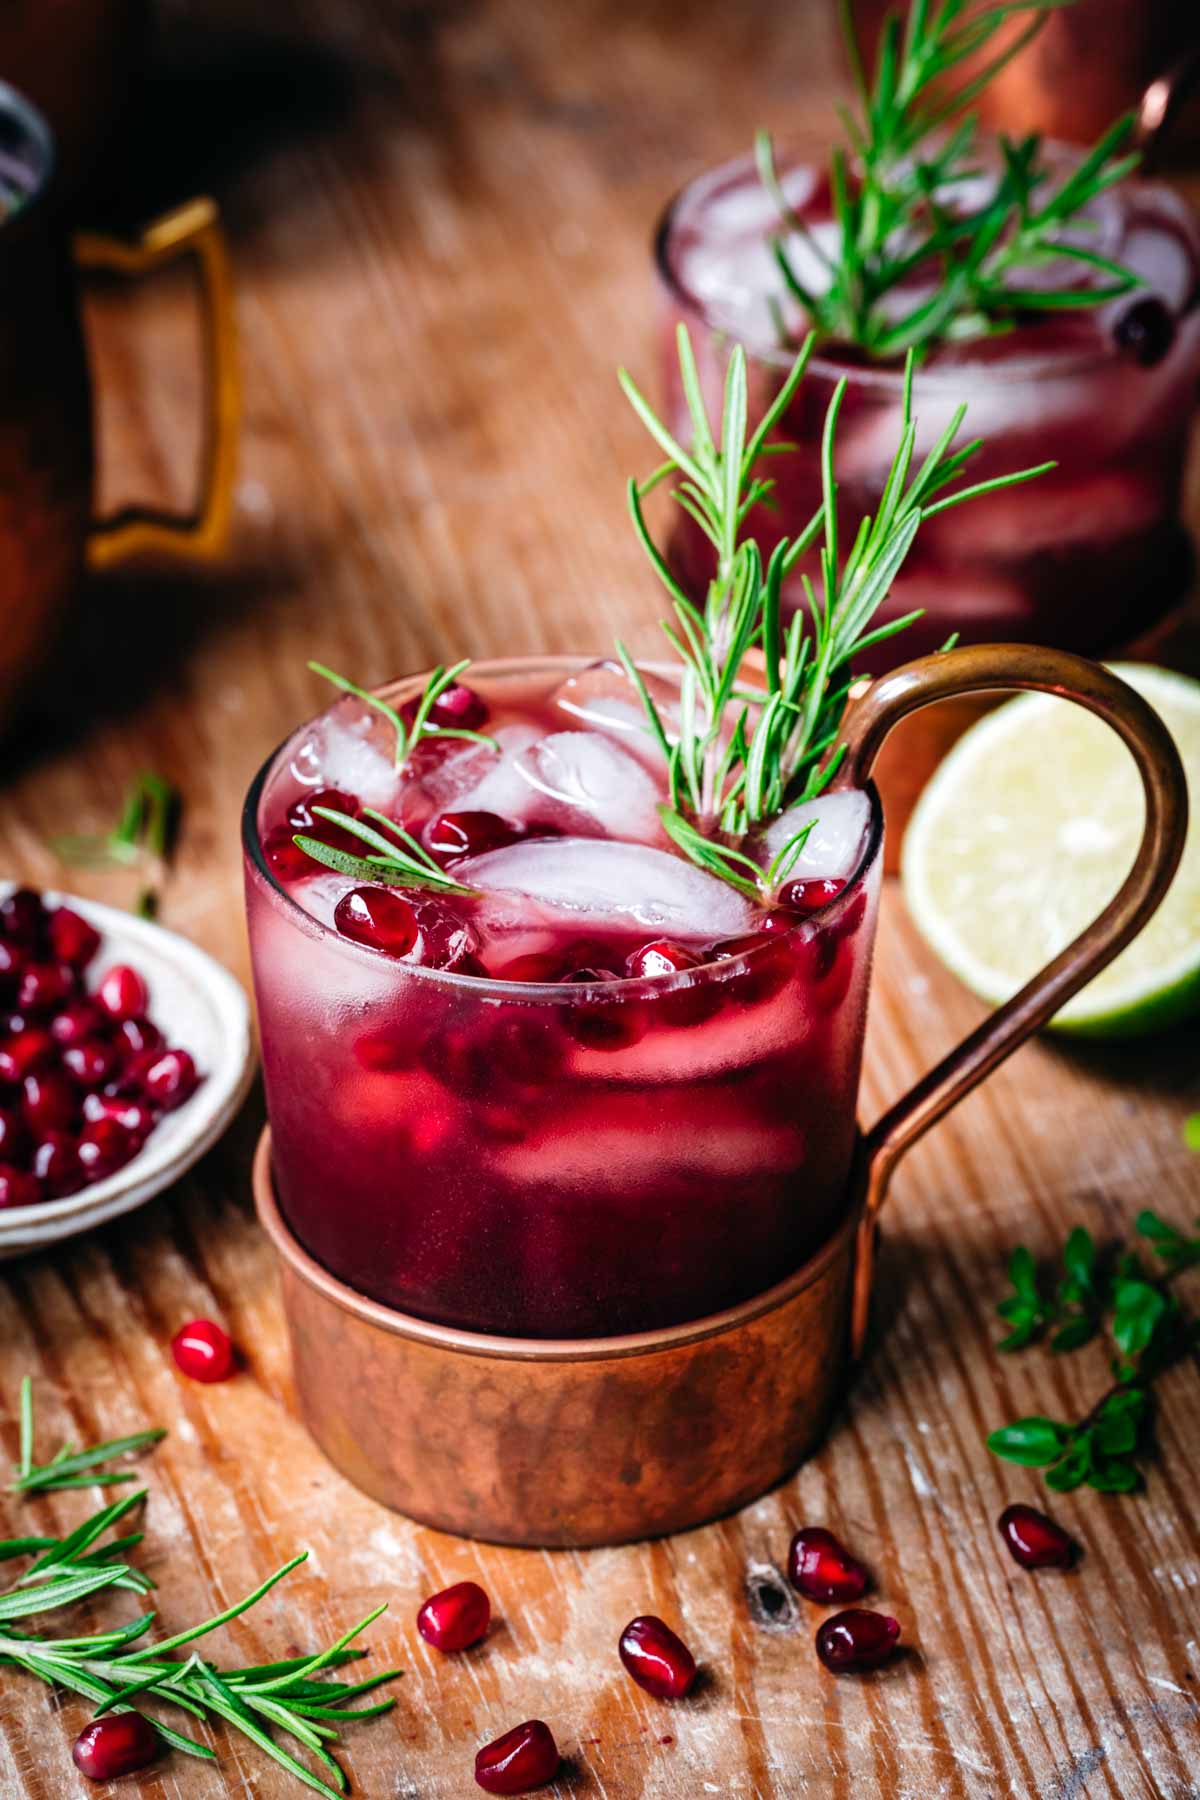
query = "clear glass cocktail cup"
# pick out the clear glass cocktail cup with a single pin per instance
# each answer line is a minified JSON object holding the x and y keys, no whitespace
{"x":1089,"y":556}
{"x":578,"y":1259}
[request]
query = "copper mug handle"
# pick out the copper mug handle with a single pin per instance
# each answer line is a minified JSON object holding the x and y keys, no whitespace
{"x":191,"y":229}
{"x":981,"y":669}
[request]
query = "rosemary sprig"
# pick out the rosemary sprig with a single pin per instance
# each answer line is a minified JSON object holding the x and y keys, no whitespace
{"x":143,"y":837}
{"x":738,"y":759}
{"x":410,"y":732}
{"x":398,"y":861}
{"x":70,"y":1468}
{"x":1149,"y":1331}
{"x":898,"y":194}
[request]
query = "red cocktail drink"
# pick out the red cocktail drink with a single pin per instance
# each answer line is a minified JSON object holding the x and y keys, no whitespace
{"x":600,"y":1093}
{"x":1087,"y":556}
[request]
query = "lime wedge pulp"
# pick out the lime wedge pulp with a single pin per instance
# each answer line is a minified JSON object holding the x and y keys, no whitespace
{"x":1023,"y":835}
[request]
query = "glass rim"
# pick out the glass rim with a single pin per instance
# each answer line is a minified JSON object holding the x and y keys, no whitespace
{"x":529,"y":992}
{"x":1035,"y":371}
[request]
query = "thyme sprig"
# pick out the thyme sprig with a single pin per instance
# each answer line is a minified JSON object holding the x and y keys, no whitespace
{"x":397,"y":861}
{"x":410,"y":732}
{"x":113,"y":1668}
{"x":143,"y":838}
{"x":1149,"y":1330}
{"x":898,"y":194}
{"x":738,"y":759}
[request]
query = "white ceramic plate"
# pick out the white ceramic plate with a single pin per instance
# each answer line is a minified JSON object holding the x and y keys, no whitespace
{"x":201,"y":1008}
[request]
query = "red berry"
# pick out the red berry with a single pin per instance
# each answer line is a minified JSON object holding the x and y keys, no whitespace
{"x":456,"y":1618}
{"x":810,"y":896}
{"x":18,"y":1187}
{"x":78,"y":1020}
{"x":56,"y":1164}
{"x":769,"y":966}
{"x":458,"y":707}
{"x":167,"y":1077}
{"x":203,"y":1351}
{"x":1035,"y":1541}
{"x":22,"y":916}
{"x":115,"y":1745}
{"x":12,"y":1135}
{"x":105,"y":1146}
{"x":856,"y":1640}
{"x":523,"y":1759}
{"x":285,"y":856}
{"x":378,"y":918}
{"x":542,"y":966}
{"x":823,"y":1569}
{"x":1146,"y":331}
{"x":468,"y":833}
{"x":44,"y":987}
{"x":659,"y":1661}
{"x":134,"y":1115}
{"x":122,"y":993}
{"x":72,"y":939}
{"x":92,"y":1063}
{"x":301,"y":815}
{"x":50,"y":1102}
{"x":134,"y":1035}
{"x":660,"y":958}
{"x":28,"y":1048}
{"x":12,"y":961}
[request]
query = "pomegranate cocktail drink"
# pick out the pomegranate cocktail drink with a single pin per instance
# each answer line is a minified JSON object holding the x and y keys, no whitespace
{"x":1051,"y":289}
{"x":562,"y":965}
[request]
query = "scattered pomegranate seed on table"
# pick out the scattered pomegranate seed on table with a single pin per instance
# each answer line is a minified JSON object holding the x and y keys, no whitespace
{"x":1035,"y":1541}
{"x":116,"y":1745}
{"x":856,"y":1640}
{"x":204,"y":1351}
{"x":523,"y":1759}
{"x":821,"y":1567}
{"x":657,"y":1659}
{"x":456,"y":1618}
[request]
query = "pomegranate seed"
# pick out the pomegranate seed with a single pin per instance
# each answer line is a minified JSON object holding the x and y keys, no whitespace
{"x":92,"y":1063}
{"x":202,"y":1350}
{"x":72,"y":939}
{"x":56,"y":1164}
{"x":135,"y":1035}
{"x":856,"y":1640}
{"x":122,"y":993}
{"x":1035,"y":1541}
{"x":468,"y":833}
{"x":523,"y":1759}
{"x":447,"y":941}
{"x":50,"y":1102}
{"x":602,"y":1026}
{"x":1146,"y":332}
{"x":823,"y":1569}
{"x":660,"y":958}
{"x":18,"y":1187}
{"x":456,"y":1618}
{"x":28,"y":1048}
{"x":285,"y":856}
{"x":12,"y":961}
{"x":810,"y":896}
{"x":545,"y":967}
{"x":115,"y":1745}
{"x":659,"y":1661}
{"x":12,"y":1135}
{"x":459,"y":708}
{"x":378,"y":918}
{"x":105,"y":1146}
{"x":44,"y":987}
{"x":78,"y":1021}
{"x":168,"y":1077}
{"x":302,"y":817}
{"x":765,"y":973}
{"x":22,"y":916}
{"x":134,"y":1115}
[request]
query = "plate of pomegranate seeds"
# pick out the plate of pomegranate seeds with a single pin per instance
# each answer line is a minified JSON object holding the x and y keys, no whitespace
{"x":125,"y":1051}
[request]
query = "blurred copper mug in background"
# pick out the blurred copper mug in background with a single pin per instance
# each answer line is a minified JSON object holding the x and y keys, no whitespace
{"x":48,"y":535}
{"x":1090,"y":62}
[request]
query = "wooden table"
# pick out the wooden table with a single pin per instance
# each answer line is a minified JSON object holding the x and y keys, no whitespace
{"x":440,"y":219}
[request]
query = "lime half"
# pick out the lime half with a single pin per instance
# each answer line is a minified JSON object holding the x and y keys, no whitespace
{"x":1027,"y":830}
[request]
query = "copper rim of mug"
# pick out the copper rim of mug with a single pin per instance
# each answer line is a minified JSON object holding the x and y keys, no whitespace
{"x":623,"y":988}
{"x":34,"y":151}
{"x":889,"y":380}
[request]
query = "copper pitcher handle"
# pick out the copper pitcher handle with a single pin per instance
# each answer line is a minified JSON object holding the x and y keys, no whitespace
{"x":191,"y":229}
{"x":981,"y":669}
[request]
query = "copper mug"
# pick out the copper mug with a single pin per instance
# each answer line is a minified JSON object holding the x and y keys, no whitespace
{"x":48,"y":534}
{"x":603,"y":1440}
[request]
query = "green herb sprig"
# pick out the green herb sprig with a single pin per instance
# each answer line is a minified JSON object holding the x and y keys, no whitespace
{"x":397,"y":860}
{"x":143,"y":838}
{"x":1149,"y":1330}
{"x":898,"y":194}
{"x":71,"y":1468}
{"x":738,"y":759}
{"x":409,"y":733}
{"x":113,"y":1668}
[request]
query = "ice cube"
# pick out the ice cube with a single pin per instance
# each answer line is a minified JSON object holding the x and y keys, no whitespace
{"x":478,"y":778}
{"x":604,"y":884}
{"x":603,"y":697}
{"x":589,"y":779}
{"x":834,"y":847}
{"x":353,"y":748}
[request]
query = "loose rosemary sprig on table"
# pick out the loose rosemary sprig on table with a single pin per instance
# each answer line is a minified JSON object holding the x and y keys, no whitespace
{"x":112,"y":1668}
{"x":898,"y":195}
{"x":71,"y":1468}
{"x":737,"y":759}
{"x":143,"y":838}
{"x":1149,"y":1330}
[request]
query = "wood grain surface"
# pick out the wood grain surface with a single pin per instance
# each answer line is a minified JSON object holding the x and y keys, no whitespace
{"x":440,"y":217}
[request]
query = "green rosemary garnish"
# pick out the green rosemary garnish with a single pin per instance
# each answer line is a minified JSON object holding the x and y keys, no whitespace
{"x":739,"y":760}
{"x":105,"y":1667}
{"x":409,"y":733}
{"x":399,"y":861}
{"x":1149,"y":1330}
{"x":144,"y":837}
{"x":898,"y":195}
{"x":69,"y":1468}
